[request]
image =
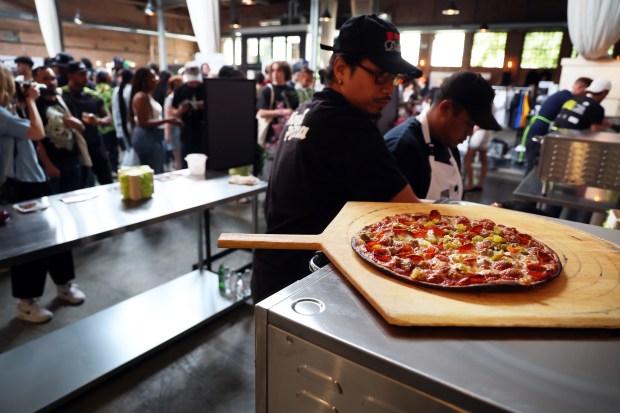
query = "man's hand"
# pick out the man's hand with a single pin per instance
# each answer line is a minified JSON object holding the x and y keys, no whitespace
{"x":74,"y":123}
{"x":51,"y":171}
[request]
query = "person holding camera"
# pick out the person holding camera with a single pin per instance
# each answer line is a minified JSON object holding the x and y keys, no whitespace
{"x":26,"y":180}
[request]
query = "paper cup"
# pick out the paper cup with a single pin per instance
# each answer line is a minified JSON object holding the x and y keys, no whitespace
{"x":196,"y":162}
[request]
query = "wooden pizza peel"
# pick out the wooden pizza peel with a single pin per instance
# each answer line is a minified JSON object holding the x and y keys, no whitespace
{"x":585,"y":295}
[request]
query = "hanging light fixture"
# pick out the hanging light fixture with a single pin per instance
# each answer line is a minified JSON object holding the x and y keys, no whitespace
{"x":452,"y":10}
{"x":234,"y":24}
{"x":484,"y":28}
{"x":77,"y":19}
{"x":326,"y":16}
{"x":149,"y":10}
{"x":248,"y":2}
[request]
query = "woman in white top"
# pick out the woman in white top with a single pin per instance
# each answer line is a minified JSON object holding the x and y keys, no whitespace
{"x":120,"y":108}
{"x":145,"y":115}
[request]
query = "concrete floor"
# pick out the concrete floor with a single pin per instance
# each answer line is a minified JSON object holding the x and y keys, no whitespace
{"x":211,"y":369}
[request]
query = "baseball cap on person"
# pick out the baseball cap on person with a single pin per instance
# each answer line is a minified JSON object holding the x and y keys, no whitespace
{"x":62,"y":59}
{"x":375,"y":39}
{"x":475,"y":94}
{"x":191,"y":72}
{"x":599,"y":85}
{"x":76,"y":66}
{"x":24,"y":60}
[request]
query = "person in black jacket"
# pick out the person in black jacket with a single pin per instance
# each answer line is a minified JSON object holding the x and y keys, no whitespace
{"x":331,"y":151}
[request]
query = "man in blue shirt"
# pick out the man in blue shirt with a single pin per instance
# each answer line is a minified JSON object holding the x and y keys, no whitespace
{"x":539,"y":124}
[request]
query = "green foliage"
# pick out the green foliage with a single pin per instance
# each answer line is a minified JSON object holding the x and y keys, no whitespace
{"x":541,"y":50}
{"x":488,"y":49}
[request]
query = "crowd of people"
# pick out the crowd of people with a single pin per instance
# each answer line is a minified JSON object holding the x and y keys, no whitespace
{"x":66,"y":127}
{"x":321,"y":139}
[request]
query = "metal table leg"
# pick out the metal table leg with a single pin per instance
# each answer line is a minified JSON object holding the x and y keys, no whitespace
{"x":200,"y":242}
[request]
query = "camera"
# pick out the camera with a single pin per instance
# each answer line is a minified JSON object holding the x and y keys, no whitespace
{"x":21,"y":88}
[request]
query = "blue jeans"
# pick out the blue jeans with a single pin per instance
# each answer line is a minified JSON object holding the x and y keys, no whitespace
{"x":148,"y":144}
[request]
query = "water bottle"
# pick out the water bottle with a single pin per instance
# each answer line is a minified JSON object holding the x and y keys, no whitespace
{"x":239,"y":288}
{"x":231,"y":284}
{"x":247,"y":285}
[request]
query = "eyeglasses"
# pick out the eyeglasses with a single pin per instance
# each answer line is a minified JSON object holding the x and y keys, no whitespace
{"x":381,"y":78}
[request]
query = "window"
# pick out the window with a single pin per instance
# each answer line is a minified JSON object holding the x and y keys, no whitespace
{"x":231,"y":48}
{"x":541,"y":50}
{"x":488,"y":49}
{"x":252,"y":51}
{"x":410,"y":46}
{"x":448,"y":49}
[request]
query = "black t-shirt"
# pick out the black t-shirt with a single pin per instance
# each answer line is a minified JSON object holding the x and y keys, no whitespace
{"x":329,"y":153}
{"x":194,"y":119}
{"x":59,"y":141}
{"x":284,"y":96}
{"x":580,"y":113}
{"x":86,"y":101}
{"x":406,"y":143}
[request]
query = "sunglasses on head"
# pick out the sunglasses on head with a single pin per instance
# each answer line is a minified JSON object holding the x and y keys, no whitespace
{"x":382,"y":78}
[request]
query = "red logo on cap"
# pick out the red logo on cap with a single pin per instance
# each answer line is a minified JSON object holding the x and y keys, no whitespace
{"x":392,"y":44}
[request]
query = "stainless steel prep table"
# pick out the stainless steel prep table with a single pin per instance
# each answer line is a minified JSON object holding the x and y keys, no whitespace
{"x":320,"y":346}
{"x":65,"y":225}
{"x":42,"y":374}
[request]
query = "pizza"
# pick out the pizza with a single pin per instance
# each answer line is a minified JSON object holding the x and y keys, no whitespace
{"x":455,"y":252}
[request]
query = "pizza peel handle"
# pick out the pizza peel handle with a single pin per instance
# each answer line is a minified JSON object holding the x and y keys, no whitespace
{"x":270,"y":241}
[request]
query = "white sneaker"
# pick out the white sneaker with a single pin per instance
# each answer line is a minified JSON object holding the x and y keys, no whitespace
{"x":29,"y":310}
{"x":70,"y":293}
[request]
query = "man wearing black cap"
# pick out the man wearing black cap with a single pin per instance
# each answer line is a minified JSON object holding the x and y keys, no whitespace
{"x":24,"y":69}
{"x":424,"y":146}
{"x":330,"y":150}
{"x":60,"y":65}
{"x":89,"y":108}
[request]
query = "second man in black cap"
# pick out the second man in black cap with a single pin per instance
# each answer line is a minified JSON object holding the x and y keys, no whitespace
{"x":425,"y":146}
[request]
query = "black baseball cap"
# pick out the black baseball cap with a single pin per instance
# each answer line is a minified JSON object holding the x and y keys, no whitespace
{"x":475,"y":94}
{"x":375,"y":39}
{"x":25,"y":60}
{"x":62,"y":59}
{"x":76,"y":66}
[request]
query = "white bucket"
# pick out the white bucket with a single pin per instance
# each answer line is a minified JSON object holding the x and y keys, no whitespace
{"x":196,"y":163}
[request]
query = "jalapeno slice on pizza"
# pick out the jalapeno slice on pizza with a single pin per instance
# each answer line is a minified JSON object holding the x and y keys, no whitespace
{"x":455,"y":252}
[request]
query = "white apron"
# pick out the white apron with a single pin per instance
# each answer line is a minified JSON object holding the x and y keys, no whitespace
{"x":446,"y":181}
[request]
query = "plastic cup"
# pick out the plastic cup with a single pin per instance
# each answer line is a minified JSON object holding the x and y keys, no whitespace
{"x":196,"y":162}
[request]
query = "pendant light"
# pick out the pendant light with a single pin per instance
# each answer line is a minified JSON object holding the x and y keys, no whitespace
{"x":484,"y":28}
{"x":149,"y":10}
{"x":452,"y":10}
{"x":326,"y":16}
{"x":77,"y":19}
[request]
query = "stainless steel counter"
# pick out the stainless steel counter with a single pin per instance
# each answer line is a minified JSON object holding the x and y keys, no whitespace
{"x":589,"y":199}
{"x":322,"y":347}
{"x":65,"y":225}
